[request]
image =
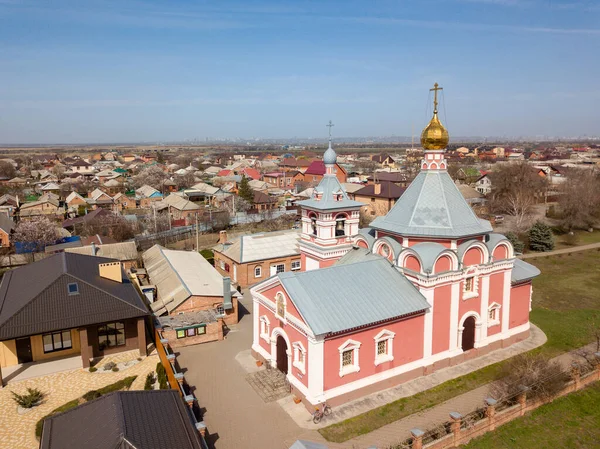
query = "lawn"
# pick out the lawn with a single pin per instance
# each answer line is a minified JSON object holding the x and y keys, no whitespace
{"x":575,"y":419}
{"x":582,"y":238}
{"x":566,"y":304}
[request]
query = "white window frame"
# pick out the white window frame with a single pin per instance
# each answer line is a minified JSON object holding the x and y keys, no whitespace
{"x":387,"y":336}
{"x":294,"y":266}
{"x":349,"y":345}
{"x":468,"y":294}
{"x":222,"y":264}
{"x":257,"y":272}
{"x":298,"y":350}
{"x":496,"y":308}
{"x":277,"y":295}
{"x":265,"y":328}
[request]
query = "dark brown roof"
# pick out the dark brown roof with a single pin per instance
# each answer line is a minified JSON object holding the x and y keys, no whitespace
{"x":388,"y":190}
{"x":389,"y":176}
{"x":35,"y":299}
{"x":155,"y":419}
{"x":262,"y":198}
{"x":97,"y":213}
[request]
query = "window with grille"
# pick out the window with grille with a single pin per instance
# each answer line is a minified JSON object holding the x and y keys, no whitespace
{"x":257,"y":272}
{"x":469,"y":284}
{"x":347,"y":357}
{"x":295,"y":265}
{"x":280,"y":268}
{"x":57,"y":341}
{"x":382,"y":347}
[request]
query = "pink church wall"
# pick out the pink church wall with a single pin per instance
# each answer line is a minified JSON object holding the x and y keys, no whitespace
{"x":263,"y":311}
{"x":413,"y":241}
{"x":362,"y":244}
{"x":407,"y":347}
{"x":496,"y":295}
{"x":441,"y":318}
{"x":469,"y":305}
{"x":412,"y":263}
{"x":473,"y":256}
{"x":290,"y":308}
{"x":443,"y":264}
{"x":500,"y":252}
{"x":519,"y":305}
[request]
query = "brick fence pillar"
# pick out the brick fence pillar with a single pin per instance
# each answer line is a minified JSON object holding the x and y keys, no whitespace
{"x":576,"y":376}
{"x":522,"y":398}
{"x":455,"y":426}
{"x":490,"y":412}
{"x":417,"y":436}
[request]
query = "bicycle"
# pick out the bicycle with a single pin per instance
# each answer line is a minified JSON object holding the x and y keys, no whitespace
{"x":325,"y":410}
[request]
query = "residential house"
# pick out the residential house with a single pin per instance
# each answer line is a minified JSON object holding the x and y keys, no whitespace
{"x":189,"y":298}
{"x":47,"y":205}
{"x":74,"y":200}
{"x":263,"y":201}
{"x":484,"y":184}
{"x":378,"y":198}
{"x":98,"y":198}
{"x":125,"y":420}
{"x":7,"y":225}
{"x":147,"y":196}
{"x":384,"y":159}
{"x":124,"y":252}
{"x":81,"y":166}
{"x":123,"y":202}
{"x":249,"y":259}
{"x":396,"y":177}
{"x":69,"y":304}
{"x":315,"y":172}
{"x":180,"y":208}
{"x":96,"y":214}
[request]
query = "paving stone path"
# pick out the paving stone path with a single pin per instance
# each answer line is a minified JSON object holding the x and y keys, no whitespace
{"x":18,"y":431}
{"x":270,"y":384}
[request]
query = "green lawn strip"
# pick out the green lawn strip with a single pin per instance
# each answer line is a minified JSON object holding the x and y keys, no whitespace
{"x":566,"y":303}
{"x":582,"y":238}
{"x":572,"y":421}
{"x":386,"y":414}
{"x":123,"y":384}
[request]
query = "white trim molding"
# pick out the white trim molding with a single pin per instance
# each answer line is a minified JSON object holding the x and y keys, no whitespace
{"x":265,"y":328}
{"x":387,"y":337}
{"x":299,"y":350}
{"x":354,"y":367}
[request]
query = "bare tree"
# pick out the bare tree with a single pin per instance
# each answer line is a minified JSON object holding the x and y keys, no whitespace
{"x":7,"y":170}
{"x":579,"y":200}
{"x":516,"y":188}
{"x":185,"y":181}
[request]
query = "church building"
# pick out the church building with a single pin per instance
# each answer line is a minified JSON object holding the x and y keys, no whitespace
{"x":427,"y":286}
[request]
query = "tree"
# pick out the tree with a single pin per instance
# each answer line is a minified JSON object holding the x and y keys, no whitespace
{"x":113,"y":225}
{"x":579,"y":200}
{"x":7,"y":170}
{"x":540,"y":237}
{"x":517,"y":244}
{"x":515,"y":191}
{"x":36,"y":233}
{"x":185,"y":181}
{"x":245,"y":191}
{"x":160,"y":158}
{"x":152,"y":176}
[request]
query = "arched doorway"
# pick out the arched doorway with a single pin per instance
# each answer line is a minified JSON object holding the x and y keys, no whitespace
{"x":282,"y":357}
{"x":468,"y":335}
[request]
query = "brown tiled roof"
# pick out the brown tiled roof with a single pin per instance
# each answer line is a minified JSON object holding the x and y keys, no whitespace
{"x":155,"y":419}
{"x":388,"y":190}
{"x":34,"y":298}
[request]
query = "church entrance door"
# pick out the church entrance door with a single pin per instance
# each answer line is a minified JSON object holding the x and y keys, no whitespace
{"x":282,"y":358}
{"x":468,"y":336}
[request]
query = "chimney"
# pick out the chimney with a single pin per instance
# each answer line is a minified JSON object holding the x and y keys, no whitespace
{"x":377,"y":189}
{"x":227,"y":305}
{"x":93,"y":249}
{"x":222,"y":237}
{"x":112,"y":271}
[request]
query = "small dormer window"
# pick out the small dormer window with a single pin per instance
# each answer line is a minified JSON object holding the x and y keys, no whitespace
{"x":73,"y":289}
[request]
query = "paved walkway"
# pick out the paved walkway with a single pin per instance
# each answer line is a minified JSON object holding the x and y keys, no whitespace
{"x":18,"y":431}
{"x":25,"y":371}
{"x":410,"y":388}
{"x":398,"y":431}
{"x":573,"y":249}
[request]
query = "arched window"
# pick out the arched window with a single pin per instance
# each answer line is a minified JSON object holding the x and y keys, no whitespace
{"x":280,"y":304}
{"x":340,"y":225}
{"x":264,"y":328}
{"x":313,"y":223}
{"x":257,"y":272}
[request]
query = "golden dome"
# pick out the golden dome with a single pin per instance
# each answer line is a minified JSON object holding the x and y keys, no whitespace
{"x":434,"y":136}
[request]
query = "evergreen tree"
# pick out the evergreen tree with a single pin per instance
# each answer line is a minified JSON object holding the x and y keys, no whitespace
{"x":245,"y":191}
{"x":540,"y":237}
{"x":517,"y":244}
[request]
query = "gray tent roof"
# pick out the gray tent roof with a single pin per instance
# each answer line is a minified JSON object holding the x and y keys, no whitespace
{"x":523,"y":271}
{"x":432,"y":206}
{"x":344,"y":297}
{"x":328,"y":186}
{"x":34,"y":298}
{"x":124,"y":420}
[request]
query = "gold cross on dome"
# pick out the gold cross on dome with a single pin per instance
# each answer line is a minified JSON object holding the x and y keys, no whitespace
{"x":435,"y":90}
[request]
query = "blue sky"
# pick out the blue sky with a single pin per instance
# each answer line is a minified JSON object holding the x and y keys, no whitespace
{"x":120,"y":71}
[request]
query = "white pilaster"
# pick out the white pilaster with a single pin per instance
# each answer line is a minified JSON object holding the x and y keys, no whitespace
{"x":428,"y":334}
{"x":483,"y":313}
{"x":506,"y":302}
{"x":316,"y":367}
{"x":256,"y":322}
{"x":454,"y":302}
